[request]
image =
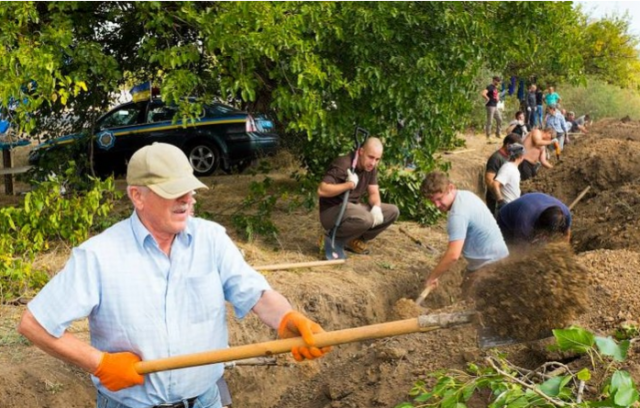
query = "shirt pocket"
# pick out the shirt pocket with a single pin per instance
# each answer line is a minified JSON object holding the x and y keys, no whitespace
{"x":204,"y":299}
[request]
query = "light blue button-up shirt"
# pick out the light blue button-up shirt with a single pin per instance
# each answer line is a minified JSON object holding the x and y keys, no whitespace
{"x":557,"y":122}
{"x":139,"y":300}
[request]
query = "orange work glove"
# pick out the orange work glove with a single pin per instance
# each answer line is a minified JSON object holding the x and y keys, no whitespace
{"x":116,"y":371}
{"x":556,"y":145}
{"x":295,"y":324}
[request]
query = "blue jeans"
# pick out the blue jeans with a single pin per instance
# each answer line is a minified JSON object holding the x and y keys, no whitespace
{"x":538,"y":116}
{"x":210,"y":399}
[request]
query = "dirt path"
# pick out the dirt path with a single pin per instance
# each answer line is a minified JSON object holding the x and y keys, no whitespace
{"x":363,"y":291}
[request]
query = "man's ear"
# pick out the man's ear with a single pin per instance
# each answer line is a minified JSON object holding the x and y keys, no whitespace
{"x":136,"y":196}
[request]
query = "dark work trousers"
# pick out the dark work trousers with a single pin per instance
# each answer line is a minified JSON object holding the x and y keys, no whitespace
{"x":491,"y":201}
{"x":357,"y":221}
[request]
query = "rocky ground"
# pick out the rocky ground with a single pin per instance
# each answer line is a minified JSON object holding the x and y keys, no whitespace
{"x":368,"y":289}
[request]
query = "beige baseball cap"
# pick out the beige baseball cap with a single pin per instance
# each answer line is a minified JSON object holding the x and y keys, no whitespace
{"x":163,"y":168}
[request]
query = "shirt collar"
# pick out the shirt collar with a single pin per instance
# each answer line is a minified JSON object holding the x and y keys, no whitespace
{"x":142,"y":234}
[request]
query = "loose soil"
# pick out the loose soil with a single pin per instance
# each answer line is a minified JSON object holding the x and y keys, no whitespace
{"x":380,"y":287}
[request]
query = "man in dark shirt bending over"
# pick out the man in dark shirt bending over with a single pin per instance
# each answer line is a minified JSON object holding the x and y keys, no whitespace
{"x":361,"y":222}
{"x":533,"y":218}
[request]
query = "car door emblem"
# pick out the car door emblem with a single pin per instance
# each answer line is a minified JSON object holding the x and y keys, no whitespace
{"x":106,"y":140}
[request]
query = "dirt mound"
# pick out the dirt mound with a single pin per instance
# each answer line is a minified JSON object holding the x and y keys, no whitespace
{"x":615,"y":295}
{"x":623,"y":129}
{"x":406,"y":309}
{"x":525,"y":297}
{"x":603,"y":164}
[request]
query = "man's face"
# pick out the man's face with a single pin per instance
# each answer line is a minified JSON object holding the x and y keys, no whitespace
{"x":443,"y":200}
{"x":161,"y":216}
{"x":369,"y":158}
{"x":520,"y":117}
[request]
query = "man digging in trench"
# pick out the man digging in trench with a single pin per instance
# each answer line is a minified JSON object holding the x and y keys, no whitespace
{"x":555,"y":281}
{"x":155,"y":286}
{"x":473,"y":231}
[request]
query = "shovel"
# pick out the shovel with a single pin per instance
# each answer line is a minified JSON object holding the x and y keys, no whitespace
{"x":424,"y":323}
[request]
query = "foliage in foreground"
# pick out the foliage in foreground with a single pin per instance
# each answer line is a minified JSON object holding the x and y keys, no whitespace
{"x":47,"y":216}
{"x":508,"y":386}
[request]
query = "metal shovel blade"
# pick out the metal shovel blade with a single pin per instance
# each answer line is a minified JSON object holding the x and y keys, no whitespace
{"x":489,"y":338}
{"x":335,"y":252}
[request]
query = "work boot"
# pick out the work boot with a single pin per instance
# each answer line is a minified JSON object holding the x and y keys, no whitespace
{"x":357,"y":246}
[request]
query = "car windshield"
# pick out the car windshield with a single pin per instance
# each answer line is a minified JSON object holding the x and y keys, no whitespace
{"x":125,"y":116}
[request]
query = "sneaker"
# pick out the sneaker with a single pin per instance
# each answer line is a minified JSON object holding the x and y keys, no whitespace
{"x":357,"y":246}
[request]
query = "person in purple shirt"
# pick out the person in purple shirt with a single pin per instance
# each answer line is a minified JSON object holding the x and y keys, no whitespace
{"x":533,"y":218}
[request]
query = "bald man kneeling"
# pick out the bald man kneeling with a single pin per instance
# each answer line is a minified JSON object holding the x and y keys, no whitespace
{"x":361,"y":221}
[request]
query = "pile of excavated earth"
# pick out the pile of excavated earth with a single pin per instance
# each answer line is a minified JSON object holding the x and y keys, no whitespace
{"x":593,"y":284}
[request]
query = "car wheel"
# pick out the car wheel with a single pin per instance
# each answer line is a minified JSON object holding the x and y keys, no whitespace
{"x":204,"y":158}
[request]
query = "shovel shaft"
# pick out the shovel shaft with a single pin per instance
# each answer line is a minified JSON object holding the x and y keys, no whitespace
{"x":424,"y":295}
{"x":311,"y":264}
{"x":333,"y":338}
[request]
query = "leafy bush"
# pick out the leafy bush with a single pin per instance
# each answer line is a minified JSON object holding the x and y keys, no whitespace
{"x":402,"y":188}
{"x":48,"y":215}
{"x":254,"y":214}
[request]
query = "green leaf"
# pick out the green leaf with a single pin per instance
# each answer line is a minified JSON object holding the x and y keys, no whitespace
{"x":609,"y":347}
{"x":621,"y":380}
{"x":423,"y":397}
{"x":574,"y":339}
{"x":552,"y":386}
{"x":626,"y":397}
{"x":584,"y":375}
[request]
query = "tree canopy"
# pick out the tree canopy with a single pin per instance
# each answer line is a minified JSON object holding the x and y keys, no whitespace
{"x":320,"y":68}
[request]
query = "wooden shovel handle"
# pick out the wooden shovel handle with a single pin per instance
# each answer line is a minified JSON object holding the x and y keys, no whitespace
{"x":580,"y":196}
{"x":333,"y":338}
{"x":310,"y":264}
{"x":424,"y":294}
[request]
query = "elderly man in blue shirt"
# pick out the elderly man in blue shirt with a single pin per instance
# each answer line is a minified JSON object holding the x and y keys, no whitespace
{"x":154,"y":286}
{"x":556,"y":121}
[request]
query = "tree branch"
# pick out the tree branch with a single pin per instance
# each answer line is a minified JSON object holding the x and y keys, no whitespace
{"x":524,"y":384}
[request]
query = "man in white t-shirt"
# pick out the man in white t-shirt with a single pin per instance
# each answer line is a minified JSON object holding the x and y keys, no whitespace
{"x":506,"y":185}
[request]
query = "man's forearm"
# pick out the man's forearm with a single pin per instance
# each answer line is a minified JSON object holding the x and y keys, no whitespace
{"x":67,"y":347}
{"x":446,"y":262}
{"x":271,"y":307}
{"x":327,"y":190}
{"x":374,"y":199}
{"x":497,"y":193}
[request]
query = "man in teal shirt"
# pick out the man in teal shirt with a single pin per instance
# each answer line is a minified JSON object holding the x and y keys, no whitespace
{"x":552,"y":98}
